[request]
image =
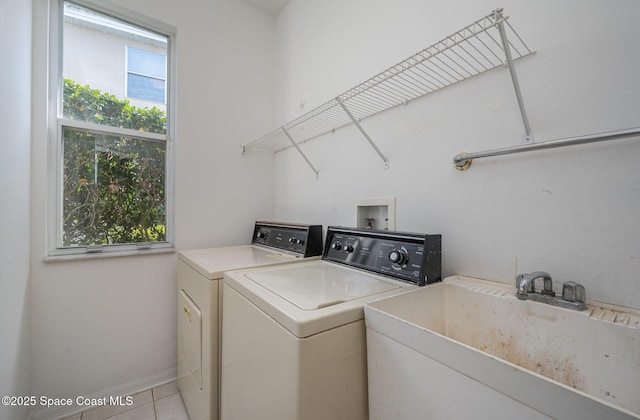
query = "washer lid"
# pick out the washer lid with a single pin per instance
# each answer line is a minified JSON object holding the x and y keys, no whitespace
{"x":320,"y":286}
{"x":213,"y":262}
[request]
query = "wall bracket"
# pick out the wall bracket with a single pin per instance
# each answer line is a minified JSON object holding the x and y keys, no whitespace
{"x":364,"y":133}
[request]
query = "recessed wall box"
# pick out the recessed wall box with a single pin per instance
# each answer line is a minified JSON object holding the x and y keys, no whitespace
{"x":376,"y":213}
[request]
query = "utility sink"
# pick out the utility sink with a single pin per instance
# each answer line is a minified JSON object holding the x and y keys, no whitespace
{"x":467,"y":347}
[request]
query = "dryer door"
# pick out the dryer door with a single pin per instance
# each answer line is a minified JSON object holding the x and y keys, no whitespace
{"x":190,"y":335}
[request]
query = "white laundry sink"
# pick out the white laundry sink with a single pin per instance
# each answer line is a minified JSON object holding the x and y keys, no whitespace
{"x":469,"y":348}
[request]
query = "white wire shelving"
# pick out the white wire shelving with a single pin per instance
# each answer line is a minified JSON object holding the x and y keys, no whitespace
{"x":485,"y":44}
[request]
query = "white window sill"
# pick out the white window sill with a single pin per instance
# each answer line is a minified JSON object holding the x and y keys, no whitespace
{"x":80,"y":255}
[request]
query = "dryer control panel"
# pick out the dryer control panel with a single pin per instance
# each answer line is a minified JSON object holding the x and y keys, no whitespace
{"x":411,"y":257}
{"x":302,"y":240}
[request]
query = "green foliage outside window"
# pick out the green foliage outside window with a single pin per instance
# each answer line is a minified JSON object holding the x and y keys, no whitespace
{"x":113,"y":186}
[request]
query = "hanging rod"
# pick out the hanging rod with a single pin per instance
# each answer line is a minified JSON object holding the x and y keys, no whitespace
{"x":462,"y":161}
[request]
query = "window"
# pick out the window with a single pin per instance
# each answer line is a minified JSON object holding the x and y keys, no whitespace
{"x":113,"y":169}
{"x":146,"y":73}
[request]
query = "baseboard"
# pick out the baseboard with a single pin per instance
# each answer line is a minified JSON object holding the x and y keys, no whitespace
{"x":129,"y":388}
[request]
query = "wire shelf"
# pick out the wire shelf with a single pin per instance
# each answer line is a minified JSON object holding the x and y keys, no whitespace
{"x":468,"y":52}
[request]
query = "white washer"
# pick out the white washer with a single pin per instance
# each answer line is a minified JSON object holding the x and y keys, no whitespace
{"x":200,"y":297}
{"x":293,"y":337}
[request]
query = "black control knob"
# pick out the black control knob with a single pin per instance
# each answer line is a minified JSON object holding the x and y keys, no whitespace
{"x":348,"y":248}
{"x":260,"y":234}
{"x":337,"y":246}
{"x":398,"y":256}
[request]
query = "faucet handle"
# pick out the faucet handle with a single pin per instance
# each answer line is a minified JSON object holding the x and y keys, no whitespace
{"x":581,"y":293}
{"x":573,"y":292}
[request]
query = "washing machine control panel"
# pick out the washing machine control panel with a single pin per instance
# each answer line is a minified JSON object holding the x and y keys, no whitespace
{"x":411,"y":257}
{"x":301,"y":240}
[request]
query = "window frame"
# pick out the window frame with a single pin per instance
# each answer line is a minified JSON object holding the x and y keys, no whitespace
{"x":55,"y":249}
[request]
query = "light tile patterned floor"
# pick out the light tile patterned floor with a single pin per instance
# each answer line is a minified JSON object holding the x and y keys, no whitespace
{"x":161,"y":403}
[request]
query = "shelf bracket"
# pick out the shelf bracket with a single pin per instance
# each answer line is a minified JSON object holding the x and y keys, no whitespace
{"x":364,"y":133}
{"x":286,"y":133}
{"x":497,"y":16}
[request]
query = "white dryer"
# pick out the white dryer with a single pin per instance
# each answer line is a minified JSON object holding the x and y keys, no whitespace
{"x":200,"y":272}
{"x":293,"y":337}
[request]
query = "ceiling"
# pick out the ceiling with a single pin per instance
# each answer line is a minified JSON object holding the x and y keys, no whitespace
{"x":270,"y":7}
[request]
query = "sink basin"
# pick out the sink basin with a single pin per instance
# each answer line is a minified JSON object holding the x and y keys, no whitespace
{"x":469,"y":348}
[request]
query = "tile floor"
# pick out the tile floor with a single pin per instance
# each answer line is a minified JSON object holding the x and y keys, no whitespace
{"x":161,"y":403}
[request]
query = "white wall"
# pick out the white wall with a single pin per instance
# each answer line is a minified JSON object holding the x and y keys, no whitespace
{"x":572,"y":212}
{"x":111,"y":322}
{"x":15,"y":108}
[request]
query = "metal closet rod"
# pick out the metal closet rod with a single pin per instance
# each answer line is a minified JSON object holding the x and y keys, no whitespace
{"x":462,"y":161}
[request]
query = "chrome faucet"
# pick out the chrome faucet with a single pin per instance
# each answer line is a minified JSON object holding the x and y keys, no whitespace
{"x":573,"y":294}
